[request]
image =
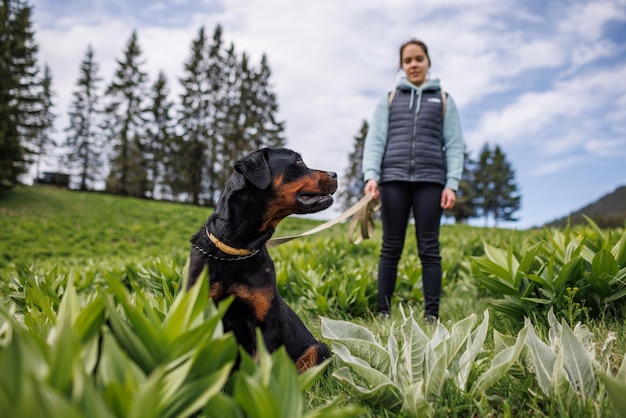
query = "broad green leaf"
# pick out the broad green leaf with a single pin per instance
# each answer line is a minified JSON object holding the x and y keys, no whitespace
{"x":415,"y":403}
{"x":211,"y":356}
{"x":570,"y":272}
{"x":619,"y":251}
{"x":359,"y":340}
{"x":284,"y":384}
{"x":413,"y":346}
{"x":616,"y":391}
{"x":147,"y":400}
{"x":63,"y":352}
{"x":385,"y":394}
{"x":373,"y":376}
{"x":436,"y":378}
{"x":264,"y":360}
{"x":541,"y":281}
{"x":256,"y":401}
{"x":577,"y":363}
{"x":495,"y":284}
{"x":527,"y":261}
{"x":509,"y":306}
{"x":538,"y":301}
{"x":500,"y":364}
{"x":147,"y":333}
{"x":459,"y":334}
{"x":222,"y":406}
{"x":500,"y":261}
{"x":394,"y":355}
{"x":339,"y":330}
{"x":129,"y":340}
{"x":604,"y":262}
{"x":474,"y":347}
{"x":115,"y":366}
{"x":192,"y":396}
{"x":543,"y":360}
{"x":562,"y":386}
{"x":69,"y":308}
{"x":43,"y":401}
{"x":90,"y":319}
{"x":336,"y":409}
{"x":186,"y":308}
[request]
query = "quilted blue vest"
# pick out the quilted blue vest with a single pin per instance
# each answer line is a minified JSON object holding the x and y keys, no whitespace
{"x":414,"y":150}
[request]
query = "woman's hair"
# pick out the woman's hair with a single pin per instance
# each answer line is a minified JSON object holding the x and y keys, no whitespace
{"x":418,"y":43}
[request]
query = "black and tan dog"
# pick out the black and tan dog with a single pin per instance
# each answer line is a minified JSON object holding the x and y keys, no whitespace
{"x":266,"y":186}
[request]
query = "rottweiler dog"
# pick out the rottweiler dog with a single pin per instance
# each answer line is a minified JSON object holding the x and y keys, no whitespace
{"x":265,"y":187}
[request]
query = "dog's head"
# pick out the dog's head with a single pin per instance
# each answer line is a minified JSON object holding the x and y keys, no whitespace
{"x":287,"y":185}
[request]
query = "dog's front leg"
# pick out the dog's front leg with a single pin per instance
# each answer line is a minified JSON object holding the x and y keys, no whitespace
{"x":301,"y":345}
{"x":197,"y":262}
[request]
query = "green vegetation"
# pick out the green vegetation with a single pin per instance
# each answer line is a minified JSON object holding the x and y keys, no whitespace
{"x":92,"y":322}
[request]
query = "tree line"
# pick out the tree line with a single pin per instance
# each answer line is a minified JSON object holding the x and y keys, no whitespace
{"x":487,"y":189}
{"x":128,"y":133}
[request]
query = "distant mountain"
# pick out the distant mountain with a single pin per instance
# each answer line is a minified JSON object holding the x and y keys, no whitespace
{"x":608,"y":212}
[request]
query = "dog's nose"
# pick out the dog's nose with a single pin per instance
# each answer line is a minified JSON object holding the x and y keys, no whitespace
{"x":332,"y":174}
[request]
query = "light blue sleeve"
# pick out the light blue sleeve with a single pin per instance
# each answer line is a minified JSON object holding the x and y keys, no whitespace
{"x":375,"y":141}
{"x":453,"y":144}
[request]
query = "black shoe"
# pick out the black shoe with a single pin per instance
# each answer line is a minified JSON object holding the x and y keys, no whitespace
{"x":383,"y":314}
{"x":430,"y":319}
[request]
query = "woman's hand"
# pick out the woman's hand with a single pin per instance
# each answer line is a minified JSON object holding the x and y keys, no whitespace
{"x":372,"y":187}
{"x":448,"y":199}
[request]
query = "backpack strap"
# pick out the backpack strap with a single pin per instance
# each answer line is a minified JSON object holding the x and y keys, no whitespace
{"x":391,"y":95}
{"x":444,"y":98}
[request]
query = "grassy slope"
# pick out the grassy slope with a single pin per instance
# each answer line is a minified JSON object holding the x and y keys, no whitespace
{"x":42,"y":223}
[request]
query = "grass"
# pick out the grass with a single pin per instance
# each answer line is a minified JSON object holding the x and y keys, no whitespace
{"x":96,"y":234}
{"x":42,"y":224}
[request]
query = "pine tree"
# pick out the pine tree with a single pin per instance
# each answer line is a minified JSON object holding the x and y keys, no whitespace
{"x":195,"y":118}
{"x":508,"y":199}
{"x":352,"y":181}
{"x":159,"y":145}
{"x":495,"y":191}
{"x":224,"y":94}
{"x":18,"y":90}
{"x":234,"y":118}
{"x":84,"y":140}
{"x":126,"y":124}
{"x":269,"y":132}
{"x":44,"y":119}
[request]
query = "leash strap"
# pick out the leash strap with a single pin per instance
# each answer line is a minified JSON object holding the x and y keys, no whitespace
{"x":364,"y":218}
{"x":362,"y":205}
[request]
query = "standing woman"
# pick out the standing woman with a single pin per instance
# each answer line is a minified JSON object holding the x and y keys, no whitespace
{"x":413,"y":159}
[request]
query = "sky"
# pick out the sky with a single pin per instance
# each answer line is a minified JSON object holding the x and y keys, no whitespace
{"x":544,"y":80}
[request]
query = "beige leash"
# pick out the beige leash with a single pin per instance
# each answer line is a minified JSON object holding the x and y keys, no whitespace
{"x":364,"y":210}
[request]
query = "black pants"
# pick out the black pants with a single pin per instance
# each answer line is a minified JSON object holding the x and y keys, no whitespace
{"x":398,"y":198}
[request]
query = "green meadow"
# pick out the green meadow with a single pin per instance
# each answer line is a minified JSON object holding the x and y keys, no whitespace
{"x":93,"y":324}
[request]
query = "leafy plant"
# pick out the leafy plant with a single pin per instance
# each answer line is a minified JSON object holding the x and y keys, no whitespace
{"x":570,"y":273}
{"x":271,"y":387}
{"x":406,"y":374}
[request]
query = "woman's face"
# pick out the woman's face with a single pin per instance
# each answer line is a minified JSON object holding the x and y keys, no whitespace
{"x":415,"y":64}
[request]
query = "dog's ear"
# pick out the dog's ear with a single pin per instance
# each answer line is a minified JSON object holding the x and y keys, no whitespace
{"x":255,"y":169}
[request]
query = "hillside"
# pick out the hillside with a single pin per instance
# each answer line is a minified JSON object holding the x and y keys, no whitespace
{"x":608,"y":212}
{"x":39,"y":222}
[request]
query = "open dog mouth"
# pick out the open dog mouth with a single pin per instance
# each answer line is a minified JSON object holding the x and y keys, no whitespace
{"x":314,"y":201}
